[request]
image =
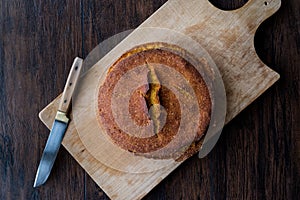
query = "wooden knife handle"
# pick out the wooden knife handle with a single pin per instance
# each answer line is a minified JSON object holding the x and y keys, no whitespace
{"x":70,"y":85}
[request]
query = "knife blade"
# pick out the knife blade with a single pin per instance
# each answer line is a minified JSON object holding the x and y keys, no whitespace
{"x":59,"y":126}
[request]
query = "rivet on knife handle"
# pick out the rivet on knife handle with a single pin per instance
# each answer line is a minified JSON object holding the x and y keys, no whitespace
{"x":70,"y":85}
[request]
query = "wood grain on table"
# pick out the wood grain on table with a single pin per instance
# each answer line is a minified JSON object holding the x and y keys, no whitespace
{"x":257,"y":156}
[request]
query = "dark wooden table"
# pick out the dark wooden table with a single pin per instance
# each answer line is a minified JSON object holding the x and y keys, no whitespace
{"x":257,"y":156}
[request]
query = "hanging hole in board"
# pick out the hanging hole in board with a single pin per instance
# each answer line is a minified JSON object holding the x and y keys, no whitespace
{"x":266,"y":3}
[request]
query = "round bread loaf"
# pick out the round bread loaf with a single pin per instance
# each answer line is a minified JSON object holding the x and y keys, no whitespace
{"x":154,"y":103}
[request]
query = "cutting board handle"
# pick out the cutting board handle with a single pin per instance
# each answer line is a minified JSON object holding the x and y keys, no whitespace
{"x":267,"y":4}
{"x":259,"y":10}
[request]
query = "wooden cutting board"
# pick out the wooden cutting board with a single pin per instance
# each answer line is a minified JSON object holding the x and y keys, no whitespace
{"x":228,"y":36}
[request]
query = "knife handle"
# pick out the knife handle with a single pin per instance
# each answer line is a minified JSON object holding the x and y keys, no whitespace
{"x":70,"y":85}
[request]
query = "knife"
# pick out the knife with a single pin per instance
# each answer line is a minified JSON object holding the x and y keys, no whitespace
{"x":59,"y":126}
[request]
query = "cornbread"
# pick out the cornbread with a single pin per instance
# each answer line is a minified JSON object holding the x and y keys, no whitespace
{"x":149,"y":96}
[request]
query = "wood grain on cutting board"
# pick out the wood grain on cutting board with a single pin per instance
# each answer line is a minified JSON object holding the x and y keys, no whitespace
{"x":228,"y":37}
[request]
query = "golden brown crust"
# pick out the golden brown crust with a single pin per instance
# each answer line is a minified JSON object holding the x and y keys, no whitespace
{"x":146,"y":95}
